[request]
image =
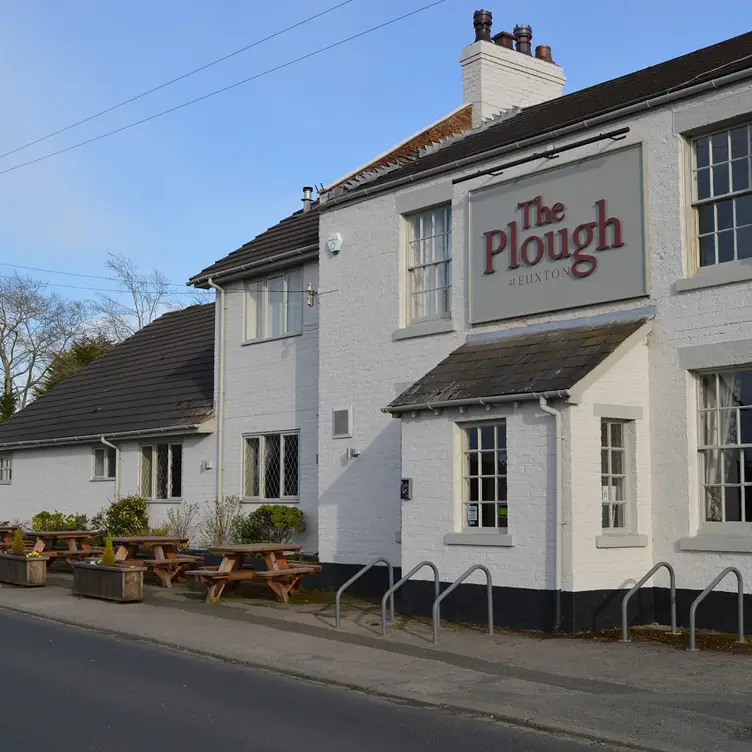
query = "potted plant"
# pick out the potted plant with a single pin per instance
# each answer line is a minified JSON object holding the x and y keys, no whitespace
{"x":105,"y":578}
{"x":21,"y":567}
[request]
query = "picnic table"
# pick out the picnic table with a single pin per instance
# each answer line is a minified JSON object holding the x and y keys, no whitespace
{"x":75,"y":544}
{"x":281,"y":575}
{"x":6,"y":536}
{"x":166,"y":559}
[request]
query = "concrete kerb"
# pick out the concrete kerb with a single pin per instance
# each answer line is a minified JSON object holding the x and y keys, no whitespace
{"x":575,"y":733}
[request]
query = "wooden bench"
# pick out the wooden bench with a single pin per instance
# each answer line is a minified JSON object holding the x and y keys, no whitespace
{"x":168,"y":568}
{"x":69,"y":556}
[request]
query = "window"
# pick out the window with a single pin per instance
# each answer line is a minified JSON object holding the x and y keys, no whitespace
{"x":105,"y":463}
{"x":162,"y":471}
{"x":271,"y":466}
{"x":485,"y":476}
{"x":274,"y":306}
{"x":429,"y":264}
{"x":6,"y":468}
{"x":725,"y":432}
{"x":615,"y":438}
{"x":722,"y":177}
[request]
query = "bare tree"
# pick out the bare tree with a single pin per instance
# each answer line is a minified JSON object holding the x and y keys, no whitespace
{"x":35,"y":326}
{"x":144,"y":299}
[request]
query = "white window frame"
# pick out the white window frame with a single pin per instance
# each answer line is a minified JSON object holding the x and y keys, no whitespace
{"x":467,"y":476}
{"x":713,"y":427}
{"x":171,"y":446}
{"x":6,"y":468}
{"x":261,"y":438}
{"x":627,"y":474}
{"x":257,"y":320}
{"x":710,"y":206}
{"x":412,"y":269}
{"x":109,"y":463}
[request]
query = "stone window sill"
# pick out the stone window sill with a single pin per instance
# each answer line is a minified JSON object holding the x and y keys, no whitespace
{"x":479,"y":539}
{"x":717,"y":274}
{"x":424,"y":329}
{"x":624,"y":540}
{"x":261,"y":340}
{"x":250,"y":500}
{"x":101,"y":480}
{"x":721,"y":543}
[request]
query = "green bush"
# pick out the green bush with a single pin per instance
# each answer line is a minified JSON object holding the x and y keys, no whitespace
{"x":270,"y":523}
{"x":58,"y":521}
{"x":108,"y":555}
{"x":127,"y":515}
{"x":17,"y":547}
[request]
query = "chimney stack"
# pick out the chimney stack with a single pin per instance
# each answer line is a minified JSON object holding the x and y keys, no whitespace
{"x":307,"y":198}
{"x":500,"y":72}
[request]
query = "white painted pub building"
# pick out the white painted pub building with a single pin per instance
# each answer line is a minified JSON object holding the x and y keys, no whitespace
{"x":527,"y":347}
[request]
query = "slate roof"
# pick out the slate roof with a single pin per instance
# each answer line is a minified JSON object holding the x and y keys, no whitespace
{"x":299,"y":230}
{"x":678,"y":73}
{"x":540,"y":362}
{"x":162,"y":376}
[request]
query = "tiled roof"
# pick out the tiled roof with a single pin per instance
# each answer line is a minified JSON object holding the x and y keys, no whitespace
{"x":540,"y":362}
{"x":162,"y":376}
{"x":299,"y":230}
{"x":679,"y":73}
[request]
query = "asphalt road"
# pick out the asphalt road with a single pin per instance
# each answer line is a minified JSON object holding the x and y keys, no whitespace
{"x":67,"y":689}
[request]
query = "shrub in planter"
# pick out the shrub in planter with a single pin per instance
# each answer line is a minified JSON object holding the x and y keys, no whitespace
{"x":108,"y":580}
{"x":270,"y":523}
{"x":58,"y":521}
{"x":18,"y":567}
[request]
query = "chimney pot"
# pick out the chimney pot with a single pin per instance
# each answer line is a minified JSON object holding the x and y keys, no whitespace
{"x":523,"y":34}
{"x":505,"y":39}
{"x":307,"y":198}
{"x":482,"y":20}
{"x":543,"y":52}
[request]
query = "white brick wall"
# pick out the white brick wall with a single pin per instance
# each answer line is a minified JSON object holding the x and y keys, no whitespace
{"x":496,"y":78}
{"x":360,"y":365}
{"x":59,"y":478}
{"x":272,"y":386}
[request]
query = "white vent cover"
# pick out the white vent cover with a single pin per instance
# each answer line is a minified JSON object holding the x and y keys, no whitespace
{"x":341,"y":424}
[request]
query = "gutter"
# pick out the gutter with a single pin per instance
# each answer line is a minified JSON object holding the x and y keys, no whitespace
{"x":117,"y":464}
{"x":559,"y":494}
{"x":97,"y":437}
{"x":221,"y":301}
{"x":207,"y":278}
{"x":485,"y":401}
{"x":459,"y":164}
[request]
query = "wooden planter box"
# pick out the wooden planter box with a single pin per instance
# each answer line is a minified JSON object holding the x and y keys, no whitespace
{"x":122,"y":584}
{"x":18,"y":570}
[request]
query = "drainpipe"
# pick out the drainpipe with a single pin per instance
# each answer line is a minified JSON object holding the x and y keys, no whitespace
{"x":220,"y":385}
{"x":559,"y":493}
{"x":117,"y":464}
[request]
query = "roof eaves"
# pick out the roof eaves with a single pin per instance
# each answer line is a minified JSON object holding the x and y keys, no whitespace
{"x":559,"y":394}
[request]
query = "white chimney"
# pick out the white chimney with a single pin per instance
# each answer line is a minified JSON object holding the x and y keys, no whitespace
{"x":499,"y":72}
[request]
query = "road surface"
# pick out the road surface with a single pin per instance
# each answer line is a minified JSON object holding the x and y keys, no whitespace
{"x":71,"y":690}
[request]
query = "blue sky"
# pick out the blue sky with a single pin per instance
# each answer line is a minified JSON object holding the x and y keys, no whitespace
{"x":186,"y":189}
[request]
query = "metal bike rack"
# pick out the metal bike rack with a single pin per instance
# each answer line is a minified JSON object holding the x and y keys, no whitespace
{"x":489,"y":594}
{"x":701,"y":597}
{"x":399,"y":584}
{"x":672,"y":577}
{"x":357,"y":576}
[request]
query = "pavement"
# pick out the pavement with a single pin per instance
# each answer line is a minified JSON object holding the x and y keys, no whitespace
{"x":638,"y":696}
{"x":80,"y":691}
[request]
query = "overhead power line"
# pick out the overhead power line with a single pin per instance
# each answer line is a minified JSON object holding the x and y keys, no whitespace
{"x":214,"y":93}
{"x":175,"y":80}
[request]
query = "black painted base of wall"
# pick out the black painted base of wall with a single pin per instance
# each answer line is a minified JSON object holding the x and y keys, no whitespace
{"x":520,"y":608}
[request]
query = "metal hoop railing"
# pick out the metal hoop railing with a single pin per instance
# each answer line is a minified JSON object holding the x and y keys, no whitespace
{"x":701,"y":597}
{"x":625,"y":601}
{"x":399,"y":584}
{"x":489,"y":595}
{"x":357,"y":576}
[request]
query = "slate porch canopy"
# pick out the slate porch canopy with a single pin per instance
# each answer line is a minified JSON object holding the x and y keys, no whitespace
{"x":549,"y":363}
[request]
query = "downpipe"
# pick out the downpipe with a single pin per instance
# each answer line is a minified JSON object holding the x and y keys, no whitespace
{"x":558,"y":493}
{"x":220,"y":384}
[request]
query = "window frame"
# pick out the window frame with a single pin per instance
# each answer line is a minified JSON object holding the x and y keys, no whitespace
{"x":465,"y":476}
{"x":6,"y":467}
{"x":256,"y":296}
{"x":722,"y":526}
{"x":410,"y":267}
{"x":697,"y":204}
{"x":151,"y":496}
{"x":109,"y":463}
{"x":261,"y":498}
{"x":629,"y":474}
